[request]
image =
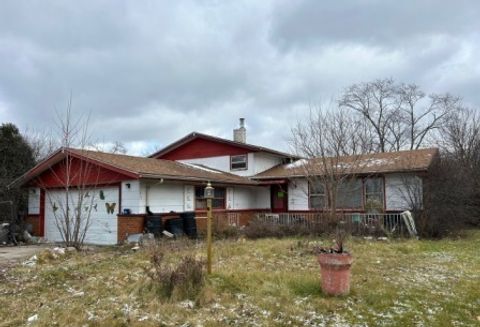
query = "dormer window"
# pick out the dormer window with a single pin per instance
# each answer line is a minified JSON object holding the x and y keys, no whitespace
{"x":238,"y":162}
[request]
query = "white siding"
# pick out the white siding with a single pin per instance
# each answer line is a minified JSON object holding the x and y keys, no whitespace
{"x":178,"y":197}
{"x":264,"y":161}
{"x":132,"y":197}
{"x":189,"y":197}
{"x":262,"y":198}
{"x":298,"y":194}
{"x":223,"y":163}
{"x":34,"y":201}
{"x":229,"y":199}
{"x":257,"y":162}
{"x":166,"y":197}
{"x":401,"y":190}
{"x":103,"y":225}
{"x":143,"y":198}
{"x":245,"y":198}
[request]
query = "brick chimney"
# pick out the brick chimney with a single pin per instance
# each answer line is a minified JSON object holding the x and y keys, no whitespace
{"x":240,"y":134}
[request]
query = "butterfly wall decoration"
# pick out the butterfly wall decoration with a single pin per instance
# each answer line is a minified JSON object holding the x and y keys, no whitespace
{"x":110,"y":207}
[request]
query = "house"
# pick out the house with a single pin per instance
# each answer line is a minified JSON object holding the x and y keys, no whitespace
{"x":247,"y":178}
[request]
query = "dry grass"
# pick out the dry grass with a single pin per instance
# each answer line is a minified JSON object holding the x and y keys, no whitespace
{"x":262,"y":282}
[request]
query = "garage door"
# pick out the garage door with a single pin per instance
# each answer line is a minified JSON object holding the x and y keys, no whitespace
{"x":103,"y":205}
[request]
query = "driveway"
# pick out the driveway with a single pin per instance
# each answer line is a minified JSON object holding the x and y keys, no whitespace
{"x":12,"y":254}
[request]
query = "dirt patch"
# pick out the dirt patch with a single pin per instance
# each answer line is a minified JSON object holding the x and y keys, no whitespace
{"x":12,"y":254}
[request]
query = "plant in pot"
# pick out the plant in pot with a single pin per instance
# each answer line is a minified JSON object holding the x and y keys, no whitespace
{"x":335,"y":264}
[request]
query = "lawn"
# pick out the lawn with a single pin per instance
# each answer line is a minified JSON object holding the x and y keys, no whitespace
{"x":255,"y":283}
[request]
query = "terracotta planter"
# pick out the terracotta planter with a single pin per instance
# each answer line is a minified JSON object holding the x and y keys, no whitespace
{"x":335,"y":270}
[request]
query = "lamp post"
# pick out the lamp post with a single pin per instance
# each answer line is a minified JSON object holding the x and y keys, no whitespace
{"x":209,"y":195}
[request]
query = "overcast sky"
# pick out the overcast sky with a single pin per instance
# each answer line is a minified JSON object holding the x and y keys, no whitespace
{"x":152,"y":71}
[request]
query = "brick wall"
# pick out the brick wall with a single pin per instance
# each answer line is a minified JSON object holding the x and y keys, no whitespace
{"x":33,"y":220}
{"x":129,"y":224}
{"x":223,"y":219}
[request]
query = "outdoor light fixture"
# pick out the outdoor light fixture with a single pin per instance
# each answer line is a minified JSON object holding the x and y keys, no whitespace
{"x":209,"y":194}
{"x":209,"y":191}
{"x":128,"y":185}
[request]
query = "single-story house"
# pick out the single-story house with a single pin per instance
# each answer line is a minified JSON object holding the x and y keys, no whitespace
{"x":248,"y":179}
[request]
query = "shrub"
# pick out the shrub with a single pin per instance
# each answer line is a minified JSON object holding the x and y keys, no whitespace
{"x":228,"y":232}
{"x":182,"y":281}
{"x":451,"y":199}
{"x":258,"y":228}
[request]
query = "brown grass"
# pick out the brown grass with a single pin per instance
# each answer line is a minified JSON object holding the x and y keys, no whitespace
{"x":264,"y":282}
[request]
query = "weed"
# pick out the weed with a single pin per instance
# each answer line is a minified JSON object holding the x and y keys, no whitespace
{"x":184,"y":280}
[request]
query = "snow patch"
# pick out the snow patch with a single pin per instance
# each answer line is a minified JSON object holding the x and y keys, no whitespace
{"x":297,"y":164}
{"x":202,"y":168}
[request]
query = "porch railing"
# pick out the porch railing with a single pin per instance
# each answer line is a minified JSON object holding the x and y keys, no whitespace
{"x":356,"y":223}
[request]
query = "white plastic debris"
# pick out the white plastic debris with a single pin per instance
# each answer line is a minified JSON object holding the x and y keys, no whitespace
{"x":409,"y":222}
{"x":136,"y":248}
{"x":58,"y":250}
{"x":143,"y":318}
{"x":168,"y":234}
{"x":31,"y":262}
{"x":78,"y":294}
{"x":146,"y":239}
{"x":187,"y":304}
{"x":90,"y":315}
{"x":28,"y":237}
{"x":134,"y":238}
{"x":32,"y":318}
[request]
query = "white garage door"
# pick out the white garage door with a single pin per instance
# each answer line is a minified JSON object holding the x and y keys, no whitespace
{"x":102,"y":204}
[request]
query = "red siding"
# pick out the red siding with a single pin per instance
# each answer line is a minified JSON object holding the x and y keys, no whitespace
{"x":201,"y":148}
{"x":81,"y":173}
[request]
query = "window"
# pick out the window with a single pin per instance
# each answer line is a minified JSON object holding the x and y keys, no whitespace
{"x":349,"y":194}
{"x":317,"y":195}
{"x":218,"y":202}
{"x":238,"y":162}
{"x":374,"y":194}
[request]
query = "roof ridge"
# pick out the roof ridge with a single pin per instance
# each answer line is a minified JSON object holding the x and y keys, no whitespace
{"x":193,"y":134}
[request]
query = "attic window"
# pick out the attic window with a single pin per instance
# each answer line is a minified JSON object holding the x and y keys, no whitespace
{"x":238,"y":162}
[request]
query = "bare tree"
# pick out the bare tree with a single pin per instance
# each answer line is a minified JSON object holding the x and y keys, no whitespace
{"x":400,"y":116}
{"x":421,"y":116}
{"x":73,"y":205}
{"x":332,"y":143}
{"x":461,"y":137}
{"x":377,"y":103}
{"x":42,"y":143}
{"x":116,"y":147}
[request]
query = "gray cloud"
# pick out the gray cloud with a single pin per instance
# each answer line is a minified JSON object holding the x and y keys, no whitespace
{"x":150,"y":72}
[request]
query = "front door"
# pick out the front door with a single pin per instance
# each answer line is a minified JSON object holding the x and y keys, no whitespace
{"x":279,"y":198}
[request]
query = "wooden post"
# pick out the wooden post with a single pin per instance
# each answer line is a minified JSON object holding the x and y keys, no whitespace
{"x":209,"y":236}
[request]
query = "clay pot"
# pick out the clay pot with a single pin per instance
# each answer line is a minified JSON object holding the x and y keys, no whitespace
{"x":335,"y":268}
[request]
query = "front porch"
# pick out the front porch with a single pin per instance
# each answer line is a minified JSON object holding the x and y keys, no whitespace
{"x":394,"y":224}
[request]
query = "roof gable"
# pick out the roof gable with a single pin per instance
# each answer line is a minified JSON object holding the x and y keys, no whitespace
{"x":80,"y":172}
{"x":116,"y":167}
{"x":197,"y":145}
